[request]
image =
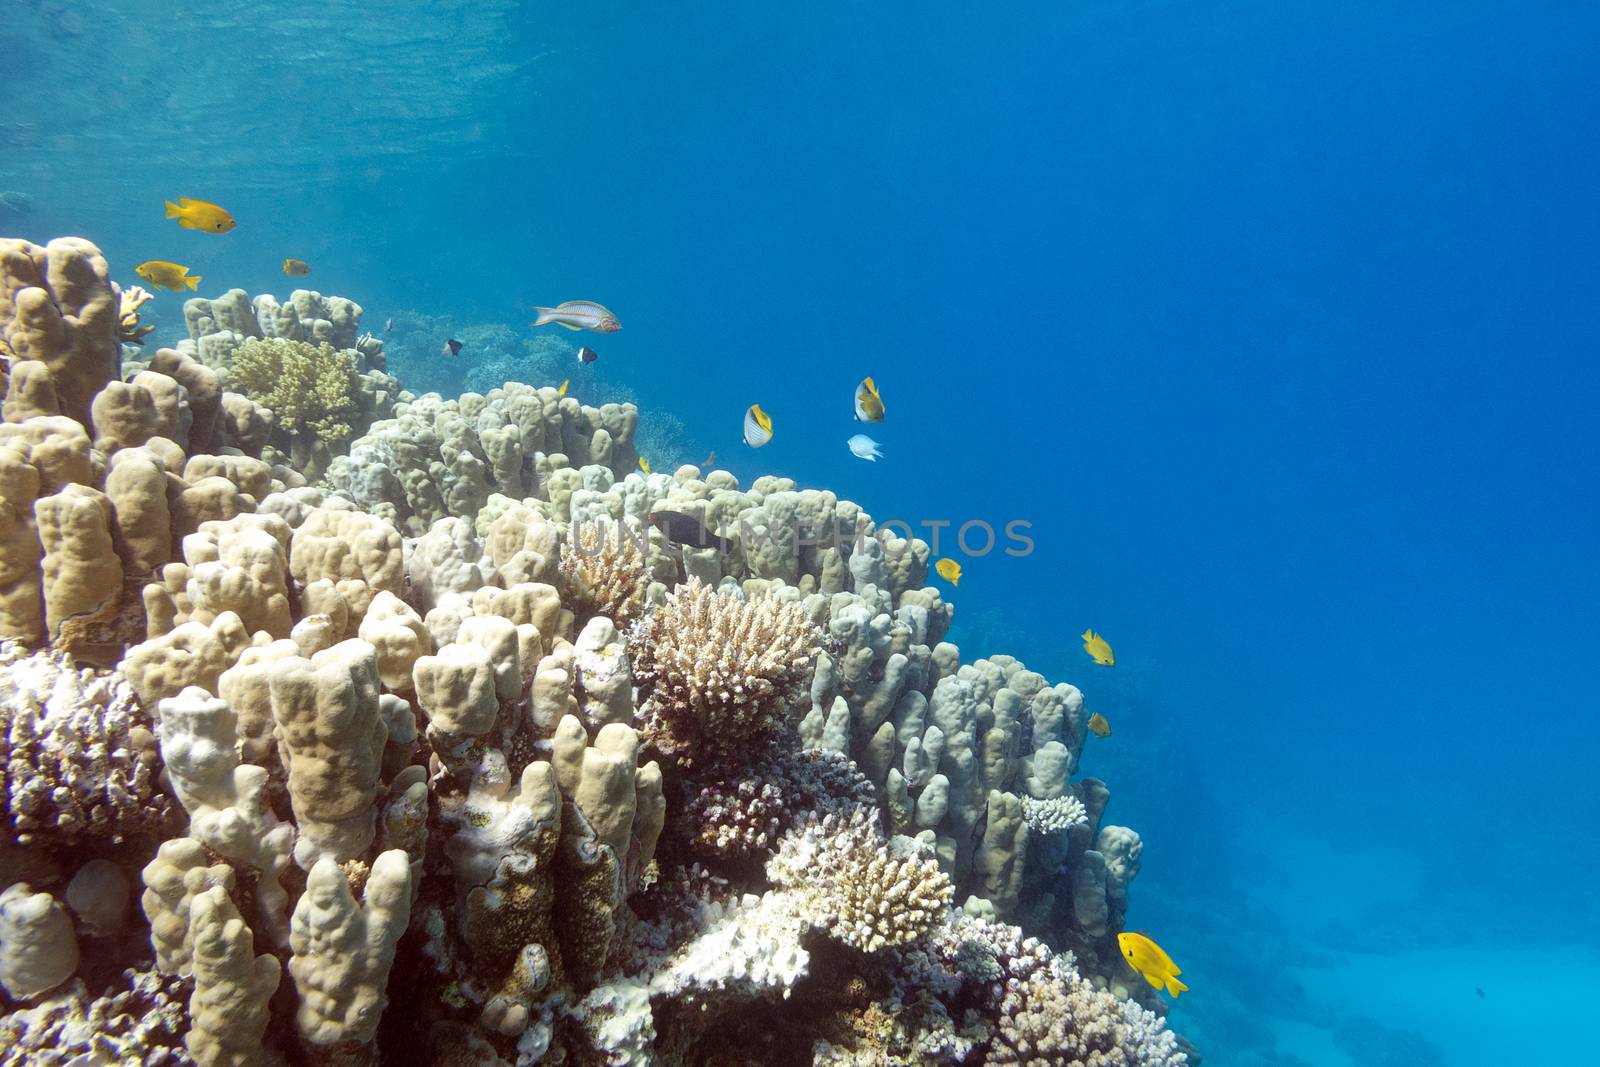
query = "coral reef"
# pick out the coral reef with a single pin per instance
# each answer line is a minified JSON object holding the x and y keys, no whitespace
{"x":359,"y":758}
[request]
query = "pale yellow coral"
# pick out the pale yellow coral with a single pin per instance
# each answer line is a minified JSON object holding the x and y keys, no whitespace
{"x":721,"y":671}
{"x":311,"y":389}
{"x":129,"y":331}
{"x":604,"y":573}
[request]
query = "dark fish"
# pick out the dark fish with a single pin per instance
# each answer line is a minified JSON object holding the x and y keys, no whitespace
{"x":452,"y":347}
{"x":687,"y":531}
{"x":1481,"y":993}
{"x":587,"y":355}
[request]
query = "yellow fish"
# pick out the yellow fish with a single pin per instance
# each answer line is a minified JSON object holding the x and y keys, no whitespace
{"x":1147,"y":957}
{"x":1097,"y":648}
{"x":949,"y":570}
{"x":644,"y":464}
{"x":869,"y":405}
{"x":563,"y":390}
{"x":164,"y":275}
{"x":1098,"y":725}
{"x":199,"y":215}
{"x":757,"y":427}
{"x":296,"y":268}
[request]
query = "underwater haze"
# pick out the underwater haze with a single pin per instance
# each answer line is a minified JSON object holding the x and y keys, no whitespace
{"x":1275,"y":319}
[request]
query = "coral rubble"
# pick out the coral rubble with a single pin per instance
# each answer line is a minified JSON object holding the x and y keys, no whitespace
{"x":341,"y":725}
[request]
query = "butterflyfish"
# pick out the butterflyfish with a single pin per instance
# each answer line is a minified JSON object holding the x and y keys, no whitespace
{"x":1098,"y":725}
{"x":199,"y":215}
{"x":864,"y":447}
{"x":296,"y":268}
{"x":1148,"y":958}
{"x":757,"y":427}
{"x":164,"y":275}
{"x":1098,"y":650}
{"x":869,"y":405}
{"x":949,"y":570}
{"x":579,"y":315}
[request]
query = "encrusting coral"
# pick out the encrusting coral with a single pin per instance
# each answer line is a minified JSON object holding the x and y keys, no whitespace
{"x":456,"y":786}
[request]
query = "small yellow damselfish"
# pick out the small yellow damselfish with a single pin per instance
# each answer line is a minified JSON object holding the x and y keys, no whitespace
{"x":644,"y":464}
{"x":1098,"y":649}
{"x":1099,"y":726}
{"x":949,"y":570}
{"x":165,"y":275}
{"x":1150,"y":960}
{"x":200,"y":215}
{"x":562,"y":391}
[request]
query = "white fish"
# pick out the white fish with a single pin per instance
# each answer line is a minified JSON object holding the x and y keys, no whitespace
{"x":578,"y":315}
{"x":865,"y":447}
{"x":757,"y":426}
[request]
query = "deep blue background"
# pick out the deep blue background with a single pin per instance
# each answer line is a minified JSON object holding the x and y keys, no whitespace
{"x":1278,"y":321}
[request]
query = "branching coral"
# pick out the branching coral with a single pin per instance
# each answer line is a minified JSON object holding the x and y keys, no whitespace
{"x":721,"y":670}
{"x":129,"y":330}
{"x":77,"y":756}
{"x":604,"y":573}
{"x":747,"y":814}
{"x":866,"y":892}
{"x":1054,"y":816}
{"x":310,"y":388}
{"x":1051,"y":1020}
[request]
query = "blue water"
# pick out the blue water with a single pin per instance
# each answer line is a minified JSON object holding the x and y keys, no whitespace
{"x":1275,"y":319}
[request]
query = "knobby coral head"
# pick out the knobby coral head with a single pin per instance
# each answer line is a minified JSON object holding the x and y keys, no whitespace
{"x":721,"y":671}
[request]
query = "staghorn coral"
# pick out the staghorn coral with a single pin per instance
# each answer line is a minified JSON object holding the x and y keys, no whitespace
{"x":866,"y":892}
{"x":721,"y":670}
{"x":311,"y":389}
{"x":605,"y":574}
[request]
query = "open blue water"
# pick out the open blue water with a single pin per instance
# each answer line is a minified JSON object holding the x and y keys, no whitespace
{"x":1277,"y":319}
